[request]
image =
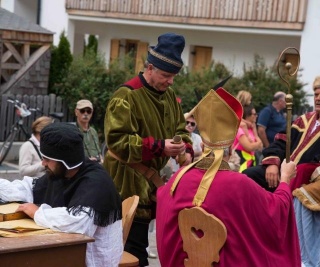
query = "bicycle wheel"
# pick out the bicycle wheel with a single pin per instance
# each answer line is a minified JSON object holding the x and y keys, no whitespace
{"x":5,"y":148}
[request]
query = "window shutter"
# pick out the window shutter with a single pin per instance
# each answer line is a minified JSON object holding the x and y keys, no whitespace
{"x":142,"y":52}
{"x":202,"y":58}
{"x":114,"y":52}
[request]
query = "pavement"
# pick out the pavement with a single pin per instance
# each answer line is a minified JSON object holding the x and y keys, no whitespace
{"x":10,"y":171}
{"x":153,"y":245}
{"x":7,"y":167}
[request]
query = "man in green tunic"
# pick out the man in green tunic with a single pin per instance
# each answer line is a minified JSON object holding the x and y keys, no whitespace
{"x":141,"y":120}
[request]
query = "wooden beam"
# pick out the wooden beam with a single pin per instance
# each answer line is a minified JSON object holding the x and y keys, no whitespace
{"x":6,"y":55}
{"x":26,"y":51}
{"x":22,"y":37}
{"x":11,"y":66}
{"x":16,"y":77}
{"x":14,"y":52}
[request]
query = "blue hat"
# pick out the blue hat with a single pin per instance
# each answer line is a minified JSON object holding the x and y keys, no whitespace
{"x":166,"y":55}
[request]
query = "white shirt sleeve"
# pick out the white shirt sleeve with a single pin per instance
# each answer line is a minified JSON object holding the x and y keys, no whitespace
{"x":59,"y":219}
{"x":17,"y":190}
{"x":107,"y":248}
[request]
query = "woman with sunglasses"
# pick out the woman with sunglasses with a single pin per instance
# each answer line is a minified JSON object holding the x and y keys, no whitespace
{"x":244,"y":144}
{"x":197,"y":144}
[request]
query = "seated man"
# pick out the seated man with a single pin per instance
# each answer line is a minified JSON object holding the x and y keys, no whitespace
{"x":261,"y":228}
{"x":305,"y":147}
{"x":75,"y":195}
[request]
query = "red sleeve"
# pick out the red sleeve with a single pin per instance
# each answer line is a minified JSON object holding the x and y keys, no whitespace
{"x":152,"y":148}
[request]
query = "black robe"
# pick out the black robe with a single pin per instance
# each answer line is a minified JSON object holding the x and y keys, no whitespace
{"x":91,"y":187}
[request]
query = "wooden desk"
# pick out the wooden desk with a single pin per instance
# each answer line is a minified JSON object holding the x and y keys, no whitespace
{"x":50,"y":250}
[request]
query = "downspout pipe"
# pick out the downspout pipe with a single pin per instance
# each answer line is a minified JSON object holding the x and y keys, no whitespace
{"x":38,"y":12}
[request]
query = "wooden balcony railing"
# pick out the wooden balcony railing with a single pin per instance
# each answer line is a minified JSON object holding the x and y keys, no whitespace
{"x":270,"y":14}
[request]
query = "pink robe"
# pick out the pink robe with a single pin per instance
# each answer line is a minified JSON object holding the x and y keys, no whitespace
{"x":261,"y":227}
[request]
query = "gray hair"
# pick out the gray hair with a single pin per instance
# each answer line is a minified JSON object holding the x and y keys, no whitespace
{"x":279,"y":95}
{"x":147,"y":63}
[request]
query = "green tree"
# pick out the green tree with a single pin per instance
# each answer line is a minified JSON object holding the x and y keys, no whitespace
{"x":187,"y":82}
{"x":263,"y":82}
{"x":260,"y":80}
{"x":61,"y":59}
{"x":92,"y":44}
{"x":88,"y":78}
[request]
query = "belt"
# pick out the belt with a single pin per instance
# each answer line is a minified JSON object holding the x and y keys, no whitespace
{"x":149,"y":173}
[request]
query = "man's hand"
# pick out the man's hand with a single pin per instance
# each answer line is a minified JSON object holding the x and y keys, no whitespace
{"x":171,"y":149}
{"x":272,"y":175}
{"x":28,"y":208}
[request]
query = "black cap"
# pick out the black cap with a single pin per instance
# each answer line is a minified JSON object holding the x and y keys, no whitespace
{"x":62,"y":142}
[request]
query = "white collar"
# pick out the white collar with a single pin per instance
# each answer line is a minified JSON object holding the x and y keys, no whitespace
{"x":35,"y":140}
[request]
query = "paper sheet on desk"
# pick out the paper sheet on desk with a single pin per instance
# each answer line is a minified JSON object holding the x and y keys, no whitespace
{"x":8,"y":212}
{"x":9,"y":208}
{"x":23,"y":227}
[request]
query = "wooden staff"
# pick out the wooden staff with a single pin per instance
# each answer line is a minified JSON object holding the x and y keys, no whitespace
{"x":289,"y":97}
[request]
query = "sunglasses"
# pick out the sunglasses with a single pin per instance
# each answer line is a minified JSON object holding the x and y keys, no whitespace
{"x":191,"y":123}
{"x":83,"y":110}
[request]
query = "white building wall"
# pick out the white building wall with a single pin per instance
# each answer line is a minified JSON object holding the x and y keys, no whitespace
{"x":54,"y":17}
{"x":232,"y":47}
{"x":8,"y":5}
{"x":310,"y":52}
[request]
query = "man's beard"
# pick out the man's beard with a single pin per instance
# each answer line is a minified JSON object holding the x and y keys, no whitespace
{"x":58,"y":173}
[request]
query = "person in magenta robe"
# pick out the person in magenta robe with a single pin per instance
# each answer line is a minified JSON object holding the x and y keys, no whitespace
{"x":261,"y":226}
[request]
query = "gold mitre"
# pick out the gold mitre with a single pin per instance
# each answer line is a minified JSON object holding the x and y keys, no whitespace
{"x":218,"y":116}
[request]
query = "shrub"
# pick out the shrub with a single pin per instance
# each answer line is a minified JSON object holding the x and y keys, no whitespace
{"x":88,"y":77}
{"x":61,"y":59}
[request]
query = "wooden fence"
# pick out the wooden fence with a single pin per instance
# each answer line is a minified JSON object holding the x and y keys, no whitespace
{"x":45,"y":103}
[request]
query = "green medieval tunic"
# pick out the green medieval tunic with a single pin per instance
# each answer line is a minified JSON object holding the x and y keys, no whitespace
{"x":138,"y":119}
